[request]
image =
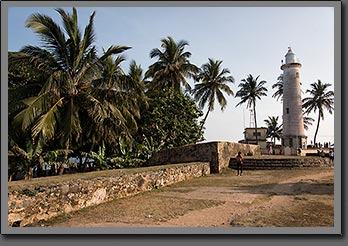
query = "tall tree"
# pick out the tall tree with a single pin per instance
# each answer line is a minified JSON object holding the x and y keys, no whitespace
{"x":274,"y":131}
{"x":117,"y":89}
{"x":212,"y":82}
{"x":68,"y":96}
{"x":172,"y":68}
{"x":250,"y":91}
{"x":136,"y":84}
{"x":320,"y":98}
{"x":170,"y":121}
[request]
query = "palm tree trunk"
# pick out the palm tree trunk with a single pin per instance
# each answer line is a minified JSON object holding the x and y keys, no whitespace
{"x":29,"y":173}
{"x":257,"y":139}
{"x":79,"y":167}
{"x":316,"y":131}
{"x":39,"y":172}
{"x":205,"y":118}
{"x":62,"y":166}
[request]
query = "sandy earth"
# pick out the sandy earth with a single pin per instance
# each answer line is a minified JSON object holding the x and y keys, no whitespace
{"x":259,"y":198}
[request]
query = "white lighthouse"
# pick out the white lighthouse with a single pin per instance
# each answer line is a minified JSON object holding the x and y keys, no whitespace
{"x":293,"y":138}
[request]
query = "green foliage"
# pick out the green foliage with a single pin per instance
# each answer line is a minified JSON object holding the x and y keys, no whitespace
{"x":127,"y":157}
{"x":212,"y":82}
{"x":170,"y":121}
{"x":148,"y":147}
{"x":63,"y":96}
{"x":66,"y":101}
{"x":172,"y":68}
{"x":274,"y":131}
{"x":99,"y":158}
{"x":22,"y":159}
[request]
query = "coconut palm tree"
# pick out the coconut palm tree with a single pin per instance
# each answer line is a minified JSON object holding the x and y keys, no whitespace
{"x":114,"y":90}
{"x":279,"y":86}
{"x":172,"y":68}
{"x":274,"y":131}
{"x":250,"y":91}
{"x":320,"y":99}
{"x":69,"y":96}
{"x":134,"y":87}
{"x":136,"y":84}
{"x":212,"y":83}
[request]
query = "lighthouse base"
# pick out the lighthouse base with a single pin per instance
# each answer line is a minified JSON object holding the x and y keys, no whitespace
{"x":292,"y":145}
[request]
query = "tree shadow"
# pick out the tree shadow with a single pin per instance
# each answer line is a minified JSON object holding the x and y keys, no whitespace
{"x":289,"y":189}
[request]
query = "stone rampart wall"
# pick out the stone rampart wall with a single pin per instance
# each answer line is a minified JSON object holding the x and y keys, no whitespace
{"x":31,"y":201}
{"x":217,"y":153}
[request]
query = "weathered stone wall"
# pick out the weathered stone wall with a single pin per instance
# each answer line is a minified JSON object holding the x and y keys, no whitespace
{"x":183,"y":154}
{"x":217,"y":153}
{"x":228,"y":150}
{"x":283,"y":163}
{"x":30,"y":201}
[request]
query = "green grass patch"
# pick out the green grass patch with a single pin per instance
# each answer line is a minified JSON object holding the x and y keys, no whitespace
{"x":27,"y":192}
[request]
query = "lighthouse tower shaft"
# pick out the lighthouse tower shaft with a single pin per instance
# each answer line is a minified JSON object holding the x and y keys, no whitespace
{"x":293,"y":128}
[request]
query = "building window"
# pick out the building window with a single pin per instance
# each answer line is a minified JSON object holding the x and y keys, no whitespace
{"x":287,"y":110}
{"x":258,"y":134}
{"x":297,"y":74}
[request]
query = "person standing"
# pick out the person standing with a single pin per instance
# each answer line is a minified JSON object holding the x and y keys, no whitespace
{"x":331,"y":155}
{"x":239,"y":160}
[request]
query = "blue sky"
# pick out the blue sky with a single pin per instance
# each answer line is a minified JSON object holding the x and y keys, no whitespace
{"x":249,"y":40}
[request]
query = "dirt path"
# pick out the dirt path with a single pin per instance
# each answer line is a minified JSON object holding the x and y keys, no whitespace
{"x":259,"y":198}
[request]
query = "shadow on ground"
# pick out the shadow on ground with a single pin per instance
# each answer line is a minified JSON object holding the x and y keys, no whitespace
{"x":289,"y":189}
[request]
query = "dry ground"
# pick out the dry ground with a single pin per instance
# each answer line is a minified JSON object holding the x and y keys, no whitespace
{"x":268,"y":198}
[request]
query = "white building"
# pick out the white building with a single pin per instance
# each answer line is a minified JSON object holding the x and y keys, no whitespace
{"x":250,"y":137}
{"x":293,"y":129}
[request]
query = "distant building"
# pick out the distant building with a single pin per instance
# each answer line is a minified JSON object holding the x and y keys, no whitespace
{"x":250,"y":137}
{"x":293,"y":137}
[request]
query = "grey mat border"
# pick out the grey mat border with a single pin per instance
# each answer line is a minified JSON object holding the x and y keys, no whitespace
{"x":206,"y":231}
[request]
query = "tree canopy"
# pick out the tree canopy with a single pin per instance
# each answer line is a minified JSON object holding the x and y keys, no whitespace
{"x":212,"y":81}
{"x":170,"y":121}
{"x":172,"y":67}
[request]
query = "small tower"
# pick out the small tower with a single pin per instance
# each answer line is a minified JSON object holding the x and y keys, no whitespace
{"x":293,"y":129}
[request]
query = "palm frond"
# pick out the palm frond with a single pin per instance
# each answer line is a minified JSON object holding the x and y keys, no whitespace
{"x":46,"y":124}
{"x":51,"y":35}
{"x":35,"y":107}
{"x":113,"y":50}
